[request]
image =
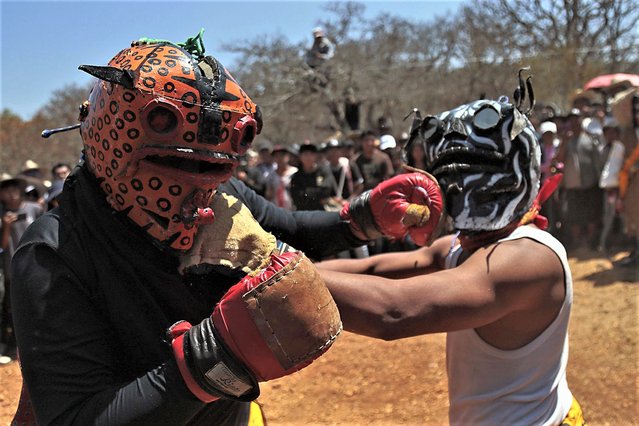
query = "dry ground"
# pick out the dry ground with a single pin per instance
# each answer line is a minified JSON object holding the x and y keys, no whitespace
{"x":361,"y":381}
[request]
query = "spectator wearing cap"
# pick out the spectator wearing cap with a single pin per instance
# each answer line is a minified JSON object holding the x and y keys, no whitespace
{"x":374,"y":164}
{"x":278,"y":182}
{"x":322,"y":49}
{"x":17,"y":214}
{"x":312,"y":184}
{"x":347,"y":180}
{"x":549,"y":144}
{"x":593,"y":123}
{"x":59,"y":173}
{"x":581,"y":155}
{"x":387,"y":142}
{"x":388,"y":145}
{"x":376,"y":167}
{"x":614,"y":151}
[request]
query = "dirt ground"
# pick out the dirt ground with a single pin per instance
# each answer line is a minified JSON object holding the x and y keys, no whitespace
{"x":362,"y":381}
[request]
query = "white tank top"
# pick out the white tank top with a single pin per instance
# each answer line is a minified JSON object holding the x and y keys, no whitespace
{"x":525,"y":386}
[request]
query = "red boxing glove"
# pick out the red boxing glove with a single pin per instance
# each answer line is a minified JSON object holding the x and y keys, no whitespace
{"x":279,"y":320}
{"x":270,"y":324}
{"x":409,"y":203}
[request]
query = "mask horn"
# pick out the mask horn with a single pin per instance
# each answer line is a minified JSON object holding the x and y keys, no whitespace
{"x":48,"y":132}
{"x":84,"y":111}
{"x":520,"y":92}
{"x":413,"y":133}
{"x":531,"y":95}
{"x":115,"y":75}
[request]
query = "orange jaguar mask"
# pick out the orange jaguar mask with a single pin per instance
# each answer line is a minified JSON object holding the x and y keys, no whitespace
{"x":164,"y":128}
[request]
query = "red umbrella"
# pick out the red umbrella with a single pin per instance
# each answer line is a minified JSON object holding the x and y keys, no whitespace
{"x":607,"y":80}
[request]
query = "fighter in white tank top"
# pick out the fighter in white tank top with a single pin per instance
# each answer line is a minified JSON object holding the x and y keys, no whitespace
{"x":526,"y":386}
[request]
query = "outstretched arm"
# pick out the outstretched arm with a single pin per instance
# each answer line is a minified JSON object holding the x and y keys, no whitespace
{"x":515,"y":280}
{"x":424,"y":260}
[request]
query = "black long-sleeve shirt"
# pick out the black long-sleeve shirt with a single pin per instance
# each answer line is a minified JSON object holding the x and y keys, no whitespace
{"x":93,"y":298}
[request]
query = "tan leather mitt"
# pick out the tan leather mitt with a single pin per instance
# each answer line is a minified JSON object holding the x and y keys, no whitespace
{"x":234,"y":239}
{"x":280,"y":318}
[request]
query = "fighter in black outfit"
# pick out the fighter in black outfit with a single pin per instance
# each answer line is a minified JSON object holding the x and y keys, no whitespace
{"x":96,"y":279}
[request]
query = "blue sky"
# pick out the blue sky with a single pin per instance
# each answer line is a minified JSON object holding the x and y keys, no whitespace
{"x":44,"y":42}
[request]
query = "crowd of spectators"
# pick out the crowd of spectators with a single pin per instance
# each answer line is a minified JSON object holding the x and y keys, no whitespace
{"x":584,"y":144}
{"x":591,"y":148}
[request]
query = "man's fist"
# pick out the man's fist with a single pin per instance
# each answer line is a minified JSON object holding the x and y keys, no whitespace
{"x":272,"y":323}
{"x":410,"y":203}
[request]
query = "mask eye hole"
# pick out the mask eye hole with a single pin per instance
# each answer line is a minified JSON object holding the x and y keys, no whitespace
{"x":249,"y":135}
{"x":162,"y":120}
{"x":486,"y":118}
{"x":244,"y":132}
{"x":431,"y":129}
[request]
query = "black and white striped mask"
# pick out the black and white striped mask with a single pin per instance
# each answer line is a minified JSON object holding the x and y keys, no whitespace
{"x":486,"y":158}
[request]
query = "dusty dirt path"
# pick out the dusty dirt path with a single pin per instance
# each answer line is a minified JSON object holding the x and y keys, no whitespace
{"x":361,"y":381}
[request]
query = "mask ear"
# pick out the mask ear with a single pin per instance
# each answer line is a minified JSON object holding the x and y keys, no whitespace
{"x":115,"y":75}
{"x":519,"y":124}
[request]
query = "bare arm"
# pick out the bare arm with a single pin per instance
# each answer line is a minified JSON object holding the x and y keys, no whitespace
{"x":495,"y":282}
{"x":424,"y":260}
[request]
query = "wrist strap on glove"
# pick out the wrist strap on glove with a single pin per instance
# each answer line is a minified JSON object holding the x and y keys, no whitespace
{"x":208,"y":369}
{"x":358,"y":212}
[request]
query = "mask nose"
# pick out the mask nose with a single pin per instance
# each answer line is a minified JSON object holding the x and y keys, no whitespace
{"x":456,"y":128}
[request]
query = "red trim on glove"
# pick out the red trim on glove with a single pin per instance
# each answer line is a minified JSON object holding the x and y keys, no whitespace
{"x":237,"y":328}
{"x":177,"y":331}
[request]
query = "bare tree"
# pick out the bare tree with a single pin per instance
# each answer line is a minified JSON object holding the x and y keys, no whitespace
{"x":569,"y":40}
{"x":386,"y":65}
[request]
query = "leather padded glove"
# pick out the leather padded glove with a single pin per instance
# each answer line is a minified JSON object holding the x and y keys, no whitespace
{"x":272,"y":323}
{"x":406,"y":204}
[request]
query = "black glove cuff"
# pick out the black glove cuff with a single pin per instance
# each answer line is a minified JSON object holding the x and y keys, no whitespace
{"x":214,"y":368}
{"x":361,"y":214}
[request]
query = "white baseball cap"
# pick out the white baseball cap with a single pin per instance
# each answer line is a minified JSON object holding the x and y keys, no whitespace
{"x":548,"y":126}
{"x":387,"y":141}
